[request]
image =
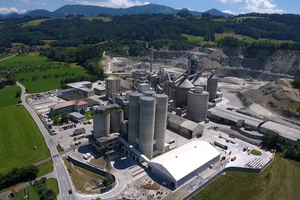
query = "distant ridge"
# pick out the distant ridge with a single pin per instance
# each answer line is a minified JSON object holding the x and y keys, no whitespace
{"x":87,"y":11}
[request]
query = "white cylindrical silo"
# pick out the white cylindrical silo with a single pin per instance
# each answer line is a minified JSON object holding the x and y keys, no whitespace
{"x":101,"y":123}
{"x":147,"y":122}
{"x":160,"y":121}
{"x":134,"y":118}
{"x":197,"y":104}
{"x":116,"y":118}
{"x":212,"y":86}
{"x":181,"y":92}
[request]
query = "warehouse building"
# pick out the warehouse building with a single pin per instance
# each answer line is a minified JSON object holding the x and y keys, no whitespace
{"x":76,"y":117}
{"x":69,"y":106}
{"x":229,"y":117}
{"x":185,"y":127}
{"x":291,"y":134}
{"x":83,"y":88}
{"x":178,"y":166}
{"x":113,"y":86}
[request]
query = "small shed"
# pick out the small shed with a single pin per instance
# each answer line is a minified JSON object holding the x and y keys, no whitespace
{"x":15,"y":192}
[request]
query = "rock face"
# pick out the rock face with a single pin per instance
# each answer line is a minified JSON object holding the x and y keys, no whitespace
{"x":282,"y":62}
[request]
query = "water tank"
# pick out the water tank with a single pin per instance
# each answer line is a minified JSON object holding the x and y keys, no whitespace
{"x":197,"y":104}
{"x":101,"y":123}
{"x":134,"y":118}
{"x":116,"y":118}
{"x":181,"y":92}
{"x":212,"y":86}
{"x":147,"y":122}
{"x":160,"y":121}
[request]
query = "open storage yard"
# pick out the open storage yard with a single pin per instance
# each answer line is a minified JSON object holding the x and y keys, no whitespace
{"x":278,"y":181}
{"x":19,"y":134}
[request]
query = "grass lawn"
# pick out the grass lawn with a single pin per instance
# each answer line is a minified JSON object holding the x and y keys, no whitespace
{"x":52,"y":184}
{"x":105,"y":19}
{"x":32,"y":194}
{"x":59,"y":149}
{"x":278,"y":181}
{"x":19,"y":61}
{"x":18,"y":135}
{"x":45,"y":168}
{"x":255,"y":152}
{"x":196,"y":39}
{"x":82,"y":178}
{"x":6,"y":55}
{"x":34,"y":22}
{"x":88,"y":115}
{"x":8,"y":97}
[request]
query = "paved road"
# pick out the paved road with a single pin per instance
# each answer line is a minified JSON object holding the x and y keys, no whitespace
{"x":8,"y":57}
{"x":4,"y":195}
{"x":64,"y":181}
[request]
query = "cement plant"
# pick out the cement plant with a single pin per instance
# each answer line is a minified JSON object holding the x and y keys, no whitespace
{"x":159,"y":131}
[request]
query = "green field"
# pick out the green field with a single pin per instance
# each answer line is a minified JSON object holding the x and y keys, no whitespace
{"x":105,"y":19}
{"x":52,"y":184}
{"x":218,"y":36}
{"x":8,"y":97}
{"x":18,"y":135}
{"x":278,"y":181}
{"x":6,"y":55}
{"x":41,"y":84}
{"x":45,"y":168}
{"x":220,"y":20}
{"x":32,"y":194}
{"x":34,"y":22}
{"x":240,"y":19}
{"x":47,"y":44}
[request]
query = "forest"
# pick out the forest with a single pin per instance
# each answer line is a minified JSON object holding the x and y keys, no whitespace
{"x":75,"y":30}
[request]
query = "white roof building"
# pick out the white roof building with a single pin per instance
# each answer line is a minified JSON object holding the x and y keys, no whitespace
{"x":183,"y":163}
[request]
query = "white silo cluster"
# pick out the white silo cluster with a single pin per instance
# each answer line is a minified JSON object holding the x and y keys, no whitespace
{"x":107,"y":119}
{"x":147,"y":122}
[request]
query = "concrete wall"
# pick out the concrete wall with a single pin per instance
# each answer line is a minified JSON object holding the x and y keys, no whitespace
{"x":96,"y":170}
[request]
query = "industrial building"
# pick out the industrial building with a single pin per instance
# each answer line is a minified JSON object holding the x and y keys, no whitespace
{"x":105,"y":144}
{"x":107,"y":119}
{"x":185,"y":127}
{"x":112,"y":86}
{"x":69,"y":106}
{"x":76,"y":117}
{"x":178,"y":166}
{"x":212,"y":86}
{"x":197,"y":104}
{"x":82,"y":87}
{"x":147,"y":123}
{"x":222,"y":115}
{"x":291,"y":134}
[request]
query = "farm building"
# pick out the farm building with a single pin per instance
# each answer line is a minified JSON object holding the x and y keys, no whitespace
{"x":178,"y":166}
{"x":15,"y":192}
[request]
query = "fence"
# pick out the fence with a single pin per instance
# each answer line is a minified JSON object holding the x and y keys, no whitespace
{"x":97,"y":170}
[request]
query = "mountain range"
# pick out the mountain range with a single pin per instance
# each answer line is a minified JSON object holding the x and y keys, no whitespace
{"x":95,"y":10}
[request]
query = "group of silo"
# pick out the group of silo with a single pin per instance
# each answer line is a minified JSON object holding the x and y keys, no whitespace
{"x":107,"y":120}
{"x":147,"y":122}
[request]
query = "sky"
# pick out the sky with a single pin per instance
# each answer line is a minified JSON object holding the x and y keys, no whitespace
{"x":227,"y":6}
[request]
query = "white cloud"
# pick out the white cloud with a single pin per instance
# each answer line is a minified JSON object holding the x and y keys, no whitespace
{"x":229,"y":1}
{"x":41,"y":3}
{"x":228,"y":12}
{"x":113,"y":3}
{"x":262,"y":6}
{"x":10,"y":10}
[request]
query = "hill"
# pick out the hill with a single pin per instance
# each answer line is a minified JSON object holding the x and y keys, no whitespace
{"x":87,"y":11}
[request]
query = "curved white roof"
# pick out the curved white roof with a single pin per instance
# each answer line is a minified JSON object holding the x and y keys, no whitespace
{"x":185,"y":159}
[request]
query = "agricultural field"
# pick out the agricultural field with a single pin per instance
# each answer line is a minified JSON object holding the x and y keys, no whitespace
{"x":8,"y":97}
{"x":218,"y":36}
{"x":6,"y":55}
{"x":278,"y":181}
{"x":105,"y":19}
{"x":18,"y":135}
{"x":47,"y":44}
{"x":45,"y":79}
{"x":34,"y":22}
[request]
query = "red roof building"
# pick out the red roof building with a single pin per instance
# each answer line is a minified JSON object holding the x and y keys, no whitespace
{"x":15,"y":192}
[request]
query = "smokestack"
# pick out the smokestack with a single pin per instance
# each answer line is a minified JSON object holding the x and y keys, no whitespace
{"x":151,"y":62}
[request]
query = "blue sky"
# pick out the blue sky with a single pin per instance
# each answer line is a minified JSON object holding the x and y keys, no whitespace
{"x":228,"y":6}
